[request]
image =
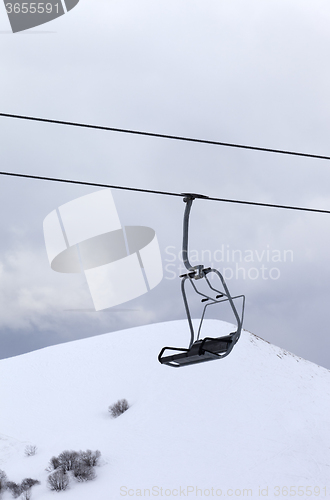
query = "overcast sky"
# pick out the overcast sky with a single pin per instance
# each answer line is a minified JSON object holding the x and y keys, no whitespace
{"x":234,"y":71}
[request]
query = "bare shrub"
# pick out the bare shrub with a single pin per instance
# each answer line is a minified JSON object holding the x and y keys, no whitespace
{"x":30,"y":450}
{"x":26,"y":486}
{"x":83,"y":472}
{"x":26,"y":495}
{"x":68,"y":459}
{"x":118,"y":408}
{"x":58,"y":480}
{"x":90,"y":458}
{"x":28,"y":482}
{"x":3,"y":480}
{"x":15,"y":488}
{"x":54,"y":464}
{"x":80,"y":463}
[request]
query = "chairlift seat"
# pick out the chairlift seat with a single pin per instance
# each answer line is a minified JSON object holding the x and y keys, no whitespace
{"x":201,"y":351}
{"x":209,"y":348}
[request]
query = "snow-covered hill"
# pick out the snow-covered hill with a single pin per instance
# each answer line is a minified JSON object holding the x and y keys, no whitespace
{"x":257,"y":419}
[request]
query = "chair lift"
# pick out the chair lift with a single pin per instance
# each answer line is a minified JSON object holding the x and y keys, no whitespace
{"x":207,"y":349}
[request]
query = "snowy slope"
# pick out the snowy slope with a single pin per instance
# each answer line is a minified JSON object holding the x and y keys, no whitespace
{"x":259,"y":418}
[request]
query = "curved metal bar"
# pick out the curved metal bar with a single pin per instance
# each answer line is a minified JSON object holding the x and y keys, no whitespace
{"x":219,"y":302}
{"x":192,"y":334}
{"x":236,"y":297}
{"x":243,"y":306}
{"x":238,"y":319}
{"x":213,"y":301}
{"x":188,"y":200}
{"x":187,"y":308}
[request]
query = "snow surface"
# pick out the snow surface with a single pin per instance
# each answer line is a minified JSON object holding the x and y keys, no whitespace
{"x":256,"y":419}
